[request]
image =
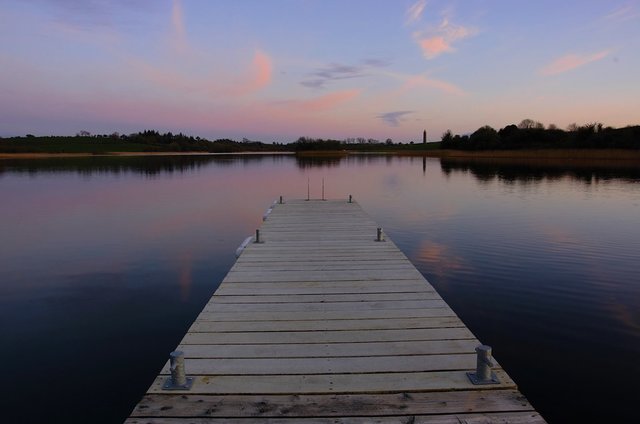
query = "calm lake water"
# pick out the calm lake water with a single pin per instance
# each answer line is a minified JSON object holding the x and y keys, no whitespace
{"x":105,"y":262}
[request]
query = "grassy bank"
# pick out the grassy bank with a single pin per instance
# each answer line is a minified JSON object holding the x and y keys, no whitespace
{"x":543,"y":154}
{"x":546,"y":154}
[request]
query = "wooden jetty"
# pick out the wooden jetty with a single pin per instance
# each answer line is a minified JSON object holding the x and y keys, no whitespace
{"x":320,"y":323}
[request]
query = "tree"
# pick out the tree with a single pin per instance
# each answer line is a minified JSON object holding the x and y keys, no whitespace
{"x":573,"y":127}
{"x":529,"y":124}
{"x":485,"y":138}
{"x":447,"y":139}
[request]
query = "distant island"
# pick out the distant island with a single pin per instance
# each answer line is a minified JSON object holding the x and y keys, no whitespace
{"x":518,"y":140}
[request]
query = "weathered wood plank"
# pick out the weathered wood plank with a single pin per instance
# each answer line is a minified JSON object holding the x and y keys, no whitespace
{"x":322,"y":298}
{"x":325,"y":325}
{"x":334,"y":383}
{"x":325,"y":287}
{"x":214,"y":306}
{"x":349,"y":365}
{"x":486,"y":418}
{"x":280,"y":276}
{"x":323,"y":266}
{"x":314,"y":350}
{"x":299,"y":337}
{"x":326,"y":315}
{"x":299,"y":406}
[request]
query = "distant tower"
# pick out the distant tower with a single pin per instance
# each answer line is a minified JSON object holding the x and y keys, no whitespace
{"x":424,"y":137}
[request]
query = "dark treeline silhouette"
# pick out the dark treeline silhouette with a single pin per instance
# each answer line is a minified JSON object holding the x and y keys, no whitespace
{"x":182,"y":143}
{"x":527,"y":135}
{"x":532,"y":135}
{"x":310,"y":144}
{"x":145,"y":141}
{"x":360,"y":144}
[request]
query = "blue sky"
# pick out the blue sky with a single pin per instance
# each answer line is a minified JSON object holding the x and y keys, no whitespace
{"x":276,"y":70}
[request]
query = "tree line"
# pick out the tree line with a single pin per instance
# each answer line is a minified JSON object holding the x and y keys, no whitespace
{"x":529,"y":134}
{"x":144,"y":141}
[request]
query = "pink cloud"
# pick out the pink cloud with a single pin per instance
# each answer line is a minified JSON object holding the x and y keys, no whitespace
{"x":258,"y":77}
{"x":432,"y":47}
{"x":440,"y":40}
{"x":571,"y":61}
{"x":327,"y":101}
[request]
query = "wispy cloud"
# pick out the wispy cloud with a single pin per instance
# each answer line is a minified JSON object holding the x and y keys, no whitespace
{"x":333,"y":72}
{"x":336,"y":71}
{"x":437,"y":40}
{"x":89,"y":15}
{"x":258,"y":77}
{"x":321,"y":103}
{"x":415,"y":11}
{"x":254,"y":78}
{"x":626,"y":12}
{"x":572,"y":61}
{"x":376,"y":62}
{"x":179,"y":41}
{"x":416,"y":81}
{"x":393,"y":119}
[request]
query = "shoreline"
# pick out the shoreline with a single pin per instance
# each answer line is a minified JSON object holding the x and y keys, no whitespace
{"x":537,"y":154}
{"x":124,"y":154}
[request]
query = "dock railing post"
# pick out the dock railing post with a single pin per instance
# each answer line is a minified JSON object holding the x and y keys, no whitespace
{"x":483,"y":374}
{"x":379,"y":234}
{"x":178,"y":379}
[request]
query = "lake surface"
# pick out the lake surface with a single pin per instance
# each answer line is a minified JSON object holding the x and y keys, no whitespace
{"x":105,"y":262}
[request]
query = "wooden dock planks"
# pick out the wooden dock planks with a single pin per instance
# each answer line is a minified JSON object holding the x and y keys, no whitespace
{"x":322,"y":324}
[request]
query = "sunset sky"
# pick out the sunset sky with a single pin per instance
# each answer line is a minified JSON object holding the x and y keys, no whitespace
{"x":276,"y":70}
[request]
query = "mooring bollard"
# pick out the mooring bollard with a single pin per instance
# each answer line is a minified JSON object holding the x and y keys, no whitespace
{"x":350,"y":199}
{"x":281,"y":202}
{"x":178,"y":379}
{"x":483,"y":374}
{"x":380,"y":235}
{"x":257,"y":239}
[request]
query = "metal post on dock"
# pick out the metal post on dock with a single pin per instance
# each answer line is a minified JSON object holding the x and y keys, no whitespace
{"x":379,"y":235}
{"x":257,"y":238}
{"x":178,"y":379}
{"x":350,"y":199}
{"x":483,"y":374}
{"x":281,"y":202}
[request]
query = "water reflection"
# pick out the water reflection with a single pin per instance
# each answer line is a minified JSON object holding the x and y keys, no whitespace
{"x":145,"y":165}
{"x":531,"y":171}
{"x":323,"y":161}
